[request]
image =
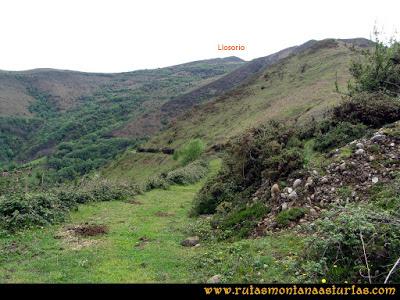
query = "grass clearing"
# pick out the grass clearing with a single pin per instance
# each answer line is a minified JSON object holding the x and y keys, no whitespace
{"x":140,"y":245}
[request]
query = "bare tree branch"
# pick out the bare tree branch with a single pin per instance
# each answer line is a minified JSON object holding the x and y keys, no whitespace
{"x":392,"y":270}
{"x":366,"y":259}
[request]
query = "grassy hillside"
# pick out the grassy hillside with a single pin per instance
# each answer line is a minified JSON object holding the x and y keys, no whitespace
{"x":142,"y":244}
{"x":297,"y":86}
{"x":74,"y":117}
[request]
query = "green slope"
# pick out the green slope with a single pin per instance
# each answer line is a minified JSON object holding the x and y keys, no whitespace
{"x":142,"y":245}
{"x":74,"y":117}
{"x":296,"y":87}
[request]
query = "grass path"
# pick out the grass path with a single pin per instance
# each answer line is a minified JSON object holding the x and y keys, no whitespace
{"x":142,"y":245}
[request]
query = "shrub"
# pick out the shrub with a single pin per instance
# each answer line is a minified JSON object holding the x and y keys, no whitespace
{"x":157,"y":182}
{"x":243,"y":219}
{"x":378,"y":71}
{"x":189,"y":174}
{"x":190,"y":152}
{"x":23,"y":210}
{"x":292,"y":214}
{"x":18,"y":211}
{"x":336,"y":251}
{"x":371,"y":109}
{"x":333,"y":135}
{"x":96,"y":191}
{"x":267,"y":153}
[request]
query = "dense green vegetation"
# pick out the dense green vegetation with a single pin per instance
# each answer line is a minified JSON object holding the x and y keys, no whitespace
{"x":81,"y":133}
{"x":223,"y":205}
{"x":189,"y":152}
{"x":19,"y":210}
{"x":274,"y":152}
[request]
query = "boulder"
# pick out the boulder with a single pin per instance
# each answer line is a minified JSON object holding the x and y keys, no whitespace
{"x":296,"y":183}
{"x":360,"y":152}
{"x":190,"y":241}
{"x":292,"y":196}
{"x":215,"y":279}
{"x":378,"y":137}
{"x":275,"y":190}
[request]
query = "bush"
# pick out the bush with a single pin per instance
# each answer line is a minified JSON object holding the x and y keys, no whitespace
{"x":379,"y":71}
{"x":157,"y":182}
{"x":335,"y":251}
{"x":190,"y":152}
{"x":333,"y":135}
{"x":23,"y":210}
{"x":242,"y":220}
{"x":268,"y":153}
{"x":18,"y":211}
{"x":292,"y":214}
{"x":371,"y":109}
{"x":96,"y":191}
{"x":189,"y":174}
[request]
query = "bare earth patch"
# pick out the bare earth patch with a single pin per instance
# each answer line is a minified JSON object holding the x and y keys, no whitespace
{"x":164,"y":214}
{"x":90,"y":230}
{"x":142,"y":242}
{"x":75,"y":236}
{"x":135,"y":202}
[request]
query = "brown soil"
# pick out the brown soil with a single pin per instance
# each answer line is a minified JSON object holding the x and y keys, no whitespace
{"x":142,"y":242}
{"x":90,"y":230}
{"x":163,"y":214}
{"x":135,"y":202}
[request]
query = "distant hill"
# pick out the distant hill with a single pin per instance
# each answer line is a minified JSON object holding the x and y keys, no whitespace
{"x":44,"y":108}
{"x":296,"y":83}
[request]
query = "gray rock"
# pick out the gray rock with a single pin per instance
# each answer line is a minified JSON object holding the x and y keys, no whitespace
{"x":360,"y":146}
{"x":360,"y":152}
{"x":292,"y":196}
{"x":342,"y":166}
{"x":375,"y":179}
{"x":289,"y":190}
{"x":324,"y":180}
{"x":190,"y":241}
{"x":284,"y":206}
{"x":296,"y":183}
{"x":215,"y":279}
{"x":377,"y":137}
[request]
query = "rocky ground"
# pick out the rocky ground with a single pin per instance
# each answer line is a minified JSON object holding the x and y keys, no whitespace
{"x":349,"y":174}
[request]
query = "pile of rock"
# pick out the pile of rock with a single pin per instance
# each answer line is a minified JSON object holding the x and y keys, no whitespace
{"x":344,"y":180}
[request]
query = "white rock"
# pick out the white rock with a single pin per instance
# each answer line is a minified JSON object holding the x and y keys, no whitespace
{"x":284,"y":206}
{"x":215,"y":279}
{"x":375,"y":179}
{"x":296,"y":183}
{"x":289,"y":190}
{"x":377,"y":137}
{"x":292,"y":196}
{"x":324,"y":180}
{"x":360,"y":152}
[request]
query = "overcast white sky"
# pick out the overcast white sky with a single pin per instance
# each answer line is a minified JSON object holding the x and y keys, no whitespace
{"x":124,"y":35}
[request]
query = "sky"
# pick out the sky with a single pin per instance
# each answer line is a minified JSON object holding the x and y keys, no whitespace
{"x":125,"y":35}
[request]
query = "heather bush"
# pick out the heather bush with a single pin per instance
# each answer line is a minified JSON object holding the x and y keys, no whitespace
{"x":346,"y":237}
